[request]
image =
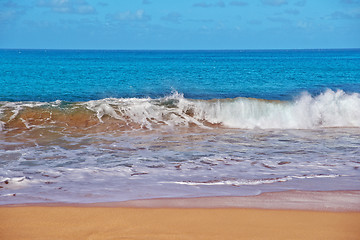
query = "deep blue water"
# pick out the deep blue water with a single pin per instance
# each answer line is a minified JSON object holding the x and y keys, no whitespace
{"x":73,"y":75}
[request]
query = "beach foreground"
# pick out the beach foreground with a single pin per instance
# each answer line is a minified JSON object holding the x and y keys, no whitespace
{"x":216,"y":218}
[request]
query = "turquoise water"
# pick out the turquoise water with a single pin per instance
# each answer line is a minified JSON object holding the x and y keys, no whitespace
{"x":99,"y":126}
{"x":49,"y":75}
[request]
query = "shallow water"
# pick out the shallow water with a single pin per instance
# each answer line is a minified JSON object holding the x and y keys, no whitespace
{"x":64,"y":136}
{"x":114,"y":167}
{"x":45,"y":165}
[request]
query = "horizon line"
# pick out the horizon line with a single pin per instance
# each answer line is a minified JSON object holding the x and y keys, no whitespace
{"x":249,"y":49}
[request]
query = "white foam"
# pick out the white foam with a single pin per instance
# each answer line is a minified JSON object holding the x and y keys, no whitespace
{"x":251,"y":182}
{"x":329,"y":109}
{"x":14,"y":182}
{"x":16,"y":107}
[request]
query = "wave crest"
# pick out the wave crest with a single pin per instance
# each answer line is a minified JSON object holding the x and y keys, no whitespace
{"x":327,"y":110}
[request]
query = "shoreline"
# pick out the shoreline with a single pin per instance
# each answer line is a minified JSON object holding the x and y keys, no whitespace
{"x":334,"y":201}
{"x":328,"y":201}
{"x":281,"y":215}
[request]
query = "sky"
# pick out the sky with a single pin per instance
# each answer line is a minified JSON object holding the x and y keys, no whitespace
{"x":179,"y":24}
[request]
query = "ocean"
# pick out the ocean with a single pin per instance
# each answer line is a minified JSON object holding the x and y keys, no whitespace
{"x":83,"y":126}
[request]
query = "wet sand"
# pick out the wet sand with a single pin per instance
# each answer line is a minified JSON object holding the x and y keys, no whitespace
{"x":301,"y":215}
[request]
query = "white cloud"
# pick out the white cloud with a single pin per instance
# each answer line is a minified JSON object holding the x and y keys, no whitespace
{"x":274,"y":2}
{"x":238,"y":3}
{"x":300,"y":3}
{"x":67,"y":6}
{"x":139,"y":15}
{"x":207,"y":5}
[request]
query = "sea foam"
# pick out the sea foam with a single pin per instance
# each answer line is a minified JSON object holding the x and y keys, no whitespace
{"x":329,"y":109}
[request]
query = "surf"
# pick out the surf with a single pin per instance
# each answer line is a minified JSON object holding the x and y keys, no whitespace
{"x":330,"y":109}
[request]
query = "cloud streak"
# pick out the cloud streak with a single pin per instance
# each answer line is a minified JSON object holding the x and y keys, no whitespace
{"x":67,"y":6}
{"x":274,"y":3}
{"x":137,"y":16}
{"x":145,"y":2}
{"x":208,"y":5}
{"x":292,"y":11}
{"x":11,"y":11}
{"x":279,"y":19}
{"x":238,"y":3}
{"x":353,"y":14}
{"x":301,"y":3}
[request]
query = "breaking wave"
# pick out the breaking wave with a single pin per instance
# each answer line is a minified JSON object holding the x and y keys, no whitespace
{"x":327,"y":110}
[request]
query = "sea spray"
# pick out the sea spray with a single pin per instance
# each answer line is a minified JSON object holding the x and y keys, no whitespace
{"x":329,"y":109}
{"x":326,"y":110}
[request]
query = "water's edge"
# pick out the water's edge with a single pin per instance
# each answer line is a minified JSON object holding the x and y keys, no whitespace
{"x":330,"y":201}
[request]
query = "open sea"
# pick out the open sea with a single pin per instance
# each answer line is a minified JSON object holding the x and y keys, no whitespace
{"x":104,"y":126}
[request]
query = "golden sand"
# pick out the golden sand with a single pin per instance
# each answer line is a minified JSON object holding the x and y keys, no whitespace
{"x":83,"y":222}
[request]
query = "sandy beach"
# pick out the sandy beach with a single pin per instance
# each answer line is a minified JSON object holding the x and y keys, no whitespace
{"x":302,"y":215}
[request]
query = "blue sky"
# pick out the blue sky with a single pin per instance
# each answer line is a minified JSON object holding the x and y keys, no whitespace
{"x":179,"y":24}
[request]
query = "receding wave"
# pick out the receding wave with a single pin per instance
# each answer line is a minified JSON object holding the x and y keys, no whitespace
{"x":327,"y":110}
{"x":244,"y":182}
